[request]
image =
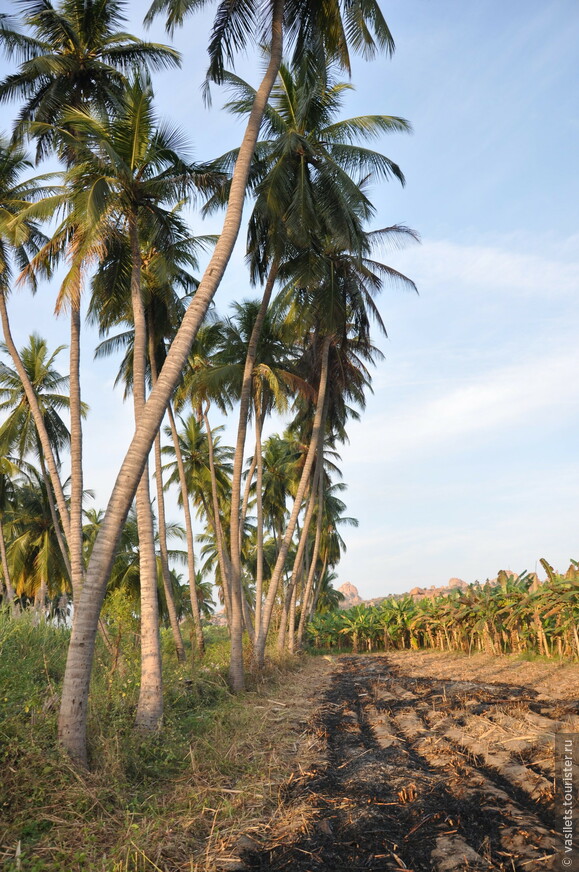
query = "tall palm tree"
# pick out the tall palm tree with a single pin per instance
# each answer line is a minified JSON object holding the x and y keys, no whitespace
{"x":9,"y":472}
{"x":327,"y":546}
{"x":326,"y":33}
{"x":163,"y":272}
{"x":20,"y":239}
{"x":194,"y":451}
{"x":19,"y":432}
{"x":34,"y":555}
{"x":132,"y":172}
{"x":272,"y":381}
{"x":73,"y":54}
{"x":335,"y":305}
{"x":304,"y":191}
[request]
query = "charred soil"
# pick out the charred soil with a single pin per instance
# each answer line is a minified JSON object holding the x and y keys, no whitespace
{"x":420,"y":772}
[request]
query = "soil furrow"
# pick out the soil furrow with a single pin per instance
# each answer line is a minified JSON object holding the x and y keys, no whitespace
{"x":423,"y":774}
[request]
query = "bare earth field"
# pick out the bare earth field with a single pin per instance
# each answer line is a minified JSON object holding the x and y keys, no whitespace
{"x":424,"y":761}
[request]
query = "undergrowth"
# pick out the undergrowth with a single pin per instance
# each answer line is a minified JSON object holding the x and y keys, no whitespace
{"x":149,"y":802}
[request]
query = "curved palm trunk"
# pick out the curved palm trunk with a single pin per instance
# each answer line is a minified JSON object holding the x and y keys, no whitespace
{"x":73,"y":710}
{"x":298,"y":564}
{"x":150,"y":706}
{"x":76,"y":476}
{"x":261,"y":631}
{"x":169,"y":598}
{"x":236,"y":676}
{"x":316,"y":596}
{"x":312,"y":572}
{"x":54,"y":515}
{"x":5,"y":567}
{"x":245,"y":399}
{"x":259,"y":417}
{"x":245,"y":504}
{"x":37,"y":416}
{"x":189,"y":535}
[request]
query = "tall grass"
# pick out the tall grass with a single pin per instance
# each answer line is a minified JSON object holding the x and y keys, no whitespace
{"x":148,"y":802}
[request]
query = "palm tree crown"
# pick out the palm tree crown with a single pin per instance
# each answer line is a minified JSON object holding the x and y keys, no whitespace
{"x":76,"y":56}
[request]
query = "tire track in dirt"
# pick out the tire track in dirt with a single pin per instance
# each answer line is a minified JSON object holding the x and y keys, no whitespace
{"x":424,"y":775}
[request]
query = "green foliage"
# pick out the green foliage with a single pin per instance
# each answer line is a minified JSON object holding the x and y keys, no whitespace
{"x":514,"y":616}
{"x":95,"y":813}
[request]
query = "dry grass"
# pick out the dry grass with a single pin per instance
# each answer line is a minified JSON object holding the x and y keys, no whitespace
{"x":169,"y":803}
{"x":549,"y":678}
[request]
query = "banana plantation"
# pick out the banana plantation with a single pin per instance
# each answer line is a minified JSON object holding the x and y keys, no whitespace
{"x":516,"y":615}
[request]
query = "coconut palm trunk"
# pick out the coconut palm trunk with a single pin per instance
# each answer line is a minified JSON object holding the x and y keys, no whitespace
{"x":262,"y":630}
{"x":247,"y":617}
{"x":307,"y":594}
{"x":76,"y":474}
{"x":222,"y":560}
{"x":244,"y":403}
{"x":5,"y":567}
{"x":74,"y":703}
{"x":292,"y":618}
{"x":150,"y":706}
{"x":37,"y":416}
{"x":298,"y":566}
{"x":54,"y":515}
{"x":283,"y":620}
{"x":188,"y":534}
{"x":236,"y":622}
{"x":318,"y":589}
{"x":247,"y":493}
{"x":259,"y":417}
{"x":169,"y":598}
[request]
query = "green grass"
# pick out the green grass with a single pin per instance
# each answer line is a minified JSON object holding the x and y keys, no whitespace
{"x":149,"y":802}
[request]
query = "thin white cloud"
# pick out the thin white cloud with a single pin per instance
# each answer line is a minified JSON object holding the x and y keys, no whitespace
{"x":447,"y":263}
{"x":521,"y":394}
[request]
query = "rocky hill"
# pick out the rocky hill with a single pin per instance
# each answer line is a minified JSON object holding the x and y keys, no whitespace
{"x":352,"y":596}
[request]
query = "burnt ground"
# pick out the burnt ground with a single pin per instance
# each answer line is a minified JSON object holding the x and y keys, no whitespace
{"x":422,"y":773}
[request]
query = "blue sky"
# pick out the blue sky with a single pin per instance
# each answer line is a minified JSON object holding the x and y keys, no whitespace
{"x":466,"y":459}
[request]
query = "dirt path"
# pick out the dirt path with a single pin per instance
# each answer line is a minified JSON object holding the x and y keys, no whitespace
{"x":424,"y":769}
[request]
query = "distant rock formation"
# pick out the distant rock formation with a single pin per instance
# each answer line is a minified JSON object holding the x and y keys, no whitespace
{"x":351,"y":596}
{"x":457,"y":582}
{"x":418,"y":593}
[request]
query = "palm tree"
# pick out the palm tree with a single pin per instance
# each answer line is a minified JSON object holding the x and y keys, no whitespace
{"x":303,"y":192}
{"x":76,"y":57}
{"x":327,"y":542}
{"x":324,"y":35}
{"x":334,"y":302}
{"x":272,"y":381}
{"x":37,"y":566}
{"x":19,"y":431}
{"x":136,"y":167}
{"x":162,"y":273}
{"x":20,"y":240}
{"x":193,"y":448}
{"x":9,"y":471}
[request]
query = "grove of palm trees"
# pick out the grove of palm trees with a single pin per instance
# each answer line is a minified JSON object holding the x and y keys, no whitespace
{"x":138,"y":730}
